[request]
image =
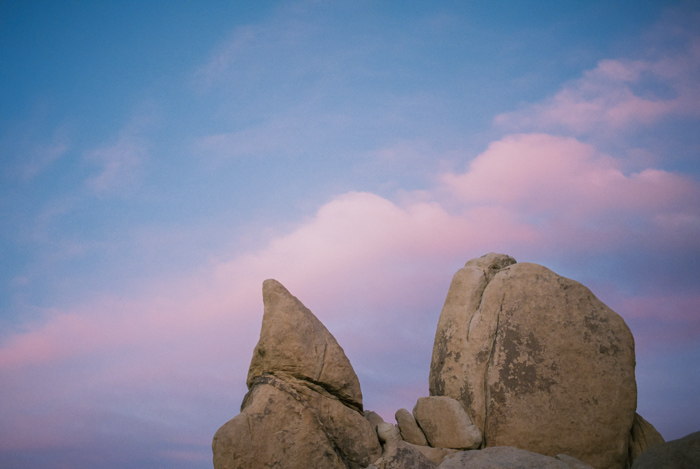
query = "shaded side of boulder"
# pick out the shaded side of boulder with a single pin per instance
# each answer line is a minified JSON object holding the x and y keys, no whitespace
{"x":353,"y":437}
{"x":683,"y":453}
{"x":410,"y":432}
{"x":445,"y":423}
{"x":502,"y":457}
{"x":642,"y":437}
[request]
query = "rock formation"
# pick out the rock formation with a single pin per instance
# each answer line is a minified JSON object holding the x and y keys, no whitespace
{"x":529,"y":370}
{"x":537,"y":361}
{"x":304,"y":405}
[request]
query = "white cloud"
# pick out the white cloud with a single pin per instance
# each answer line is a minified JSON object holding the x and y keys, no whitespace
{"x":30,"y":148}
{"x":225,"y":57}
{"x":120,"y":162}
{"x":41,"y":156}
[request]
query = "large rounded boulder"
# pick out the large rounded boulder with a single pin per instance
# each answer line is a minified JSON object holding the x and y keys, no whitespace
{"x":537,"y":361}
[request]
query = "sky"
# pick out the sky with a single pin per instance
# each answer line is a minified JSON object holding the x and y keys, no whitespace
{"x":159,"y":160}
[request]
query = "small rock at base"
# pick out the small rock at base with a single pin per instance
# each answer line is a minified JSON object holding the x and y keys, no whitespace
{"x":410,"y":431}
{"x":445,"y":423}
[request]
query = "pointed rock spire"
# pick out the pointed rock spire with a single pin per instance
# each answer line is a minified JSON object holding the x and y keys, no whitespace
{"x":294,"y":342}
{"x":304,"y":407}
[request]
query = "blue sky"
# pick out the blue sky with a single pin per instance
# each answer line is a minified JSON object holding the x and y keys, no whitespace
{"x":158,"y":161}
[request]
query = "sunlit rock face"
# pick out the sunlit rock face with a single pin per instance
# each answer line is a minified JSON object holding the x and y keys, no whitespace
{"x":304,"y":405}
{"x":537,"y":361}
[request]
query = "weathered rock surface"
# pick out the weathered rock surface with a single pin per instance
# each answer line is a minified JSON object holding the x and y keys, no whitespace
{"x":274,"y":427}
{"x":537,"y":361}
{"x":304,"y":405}
{"x":505,"y":457}
{"x":572,"y":462}
{"x":451,"y":373}
{"x":403,"y":456}
{"x":294,"y":342}
{"x":642,"y":437}
{"x":397,"y":453}
{"x":445,"y":423}
{"x":390,"y":437}
{"x":683,"y":453}
{"x":388,"y":434}
{"x":436,"y":455}
{"x":374,"y":418}
{"x":410,"y":432}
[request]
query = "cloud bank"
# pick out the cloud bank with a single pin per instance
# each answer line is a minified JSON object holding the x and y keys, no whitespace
{"x":374,"y":270}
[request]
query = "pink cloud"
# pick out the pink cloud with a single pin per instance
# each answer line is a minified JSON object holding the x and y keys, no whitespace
{"x":108,"y":324}
{"x":682,"y":308}
{"x":662,"y":323}
{"x":362,"y":263}
{"x":618,"y":94}
{"x":183,"y":455}
{"x":524,"y":190}
{"x":358,"y":255}
{"x":539,"y":174}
